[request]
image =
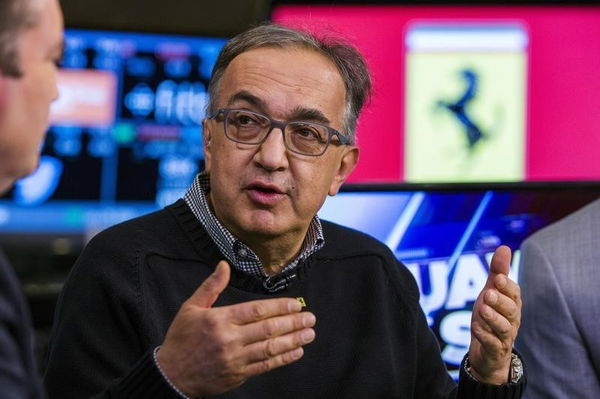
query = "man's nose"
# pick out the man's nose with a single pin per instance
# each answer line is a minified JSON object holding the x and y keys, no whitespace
{"x":272,"y":154}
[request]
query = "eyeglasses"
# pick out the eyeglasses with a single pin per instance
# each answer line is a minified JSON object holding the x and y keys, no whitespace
{"x":305,"y":138}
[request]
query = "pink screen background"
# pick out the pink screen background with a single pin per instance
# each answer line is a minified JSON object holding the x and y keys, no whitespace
{"x":563,"y":115}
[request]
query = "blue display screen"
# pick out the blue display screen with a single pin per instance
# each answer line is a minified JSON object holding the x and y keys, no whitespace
{"x":125,"y":131}
{"x":446,"y":239}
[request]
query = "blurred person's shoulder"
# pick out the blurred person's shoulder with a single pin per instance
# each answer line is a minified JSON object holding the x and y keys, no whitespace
{"x":580,"y":228}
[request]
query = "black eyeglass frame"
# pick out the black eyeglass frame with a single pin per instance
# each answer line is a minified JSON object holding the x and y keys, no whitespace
{"x":281,"y":125}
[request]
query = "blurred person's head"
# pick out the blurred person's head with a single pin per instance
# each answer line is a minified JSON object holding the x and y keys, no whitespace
{"x":31,"y":42}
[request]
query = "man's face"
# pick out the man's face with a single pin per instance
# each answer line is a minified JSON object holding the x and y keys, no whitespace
{"x":25,"y":101}
{"x":265,"y":191}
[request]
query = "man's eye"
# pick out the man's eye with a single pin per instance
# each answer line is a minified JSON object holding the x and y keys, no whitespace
{"x":245,"y":120}
{"x":308,"y":133}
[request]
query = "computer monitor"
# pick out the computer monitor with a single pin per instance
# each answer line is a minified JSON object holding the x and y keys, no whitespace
{"x":125,"y":134}
{"x":446,"y":235}
{"x":471,"y":92}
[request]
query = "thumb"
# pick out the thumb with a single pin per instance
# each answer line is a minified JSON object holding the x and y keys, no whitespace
{"x":210,"y":289}
{"x":500,"y":263}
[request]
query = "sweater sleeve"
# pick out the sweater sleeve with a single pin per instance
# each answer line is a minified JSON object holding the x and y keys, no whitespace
{"x":97,"y":347}
{"x":142,"y":381}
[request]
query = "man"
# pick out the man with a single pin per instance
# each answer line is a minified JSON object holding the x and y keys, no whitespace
{"x":201,"y":300}
{"x":30,"y":47}
{"x":559,"y":269}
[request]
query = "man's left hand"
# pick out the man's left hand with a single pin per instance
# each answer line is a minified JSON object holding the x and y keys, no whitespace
{"x":495,"y":322}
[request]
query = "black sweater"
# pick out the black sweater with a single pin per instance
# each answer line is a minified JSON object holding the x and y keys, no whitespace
{"x":372,"y":340}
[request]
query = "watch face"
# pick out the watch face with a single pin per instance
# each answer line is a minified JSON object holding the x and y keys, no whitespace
{"x":516,"y":369}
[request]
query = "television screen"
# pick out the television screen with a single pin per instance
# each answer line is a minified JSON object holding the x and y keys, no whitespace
{"x":472,"y":93}
{"x":125,"y":134}
{"x":446,"y":237}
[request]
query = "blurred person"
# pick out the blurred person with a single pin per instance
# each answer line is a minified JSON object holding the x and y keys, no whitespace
{"x":238,"y":290}
{"x":31,"y":42}
{"x":561,"y":307}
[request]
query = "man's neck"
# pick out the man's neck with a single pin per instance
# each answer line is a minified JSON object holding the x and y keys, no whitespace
{"x":275,"y":252}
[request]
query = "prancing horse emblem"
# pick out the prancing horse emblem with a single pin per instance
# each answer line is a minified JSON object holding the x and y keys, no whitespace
{"x":458,"y":109}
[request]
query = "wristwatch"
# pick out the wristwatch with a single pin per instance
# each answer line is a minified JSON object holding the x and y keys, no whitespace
{"x":514,"y":373}
{"x":516,"y":369}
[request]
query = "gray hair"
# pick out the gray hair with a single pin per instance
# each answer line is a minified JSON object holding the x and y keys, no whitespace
{"x":15,"y":17}
{"x":349,"y":62}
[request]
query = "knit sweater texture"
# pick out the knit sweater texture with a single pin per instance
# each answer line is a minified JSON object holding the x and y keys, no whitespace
{"x":372,"y":340}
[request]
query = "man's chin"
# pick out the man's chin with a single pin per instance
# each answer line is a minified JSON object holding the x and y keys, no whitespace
{"x":28,"y":168}
{"x":259,"y":229}
{"x":9,"y":177}
{"x":5,"y":184}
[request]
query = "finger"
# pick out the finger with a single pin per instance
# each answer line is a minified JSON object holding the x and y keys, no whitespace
{"x":500,"y":263}
{"x":498,"y":324}
{"x":477,"y":319}
{"x":490,"y":343}
{"x":210,"y":289}
{"x":270,"y":354}
{"x":276,"y":326}
{"x":273,"y":347}
{"x":283,"y":359}
{"x":508,"y":287}
{"x":502,"y":304}
{"x":249,"y":312}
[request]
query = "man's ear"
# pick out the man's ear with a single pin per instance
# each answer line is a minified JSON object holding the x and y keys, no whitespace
{"x":206,"y":136}
{"x":348,"y":161}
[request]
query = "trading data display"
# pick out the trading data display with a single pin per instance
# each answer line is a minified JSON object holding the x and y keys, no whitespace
{"x":125,"y":134}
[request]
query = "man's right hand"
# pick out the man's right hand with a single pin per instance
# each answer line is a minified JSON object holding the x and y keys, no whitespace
{"x":209,"y":350}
